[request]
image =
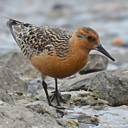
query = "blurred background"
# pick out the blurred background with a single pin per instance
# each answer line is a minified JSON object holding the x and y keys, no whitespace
{"x":109,"y":18}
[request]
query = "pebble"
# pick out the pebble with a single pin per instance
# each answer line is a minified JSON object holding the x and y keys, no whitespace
{"x":119,"y":42}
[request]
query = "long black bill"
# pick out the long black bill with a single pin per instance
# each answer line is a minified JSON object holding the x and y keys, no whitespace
{"x":102,"y":50}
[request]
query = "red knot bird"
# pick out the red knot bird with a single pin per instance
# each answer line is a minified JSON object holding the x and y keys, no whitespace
{"x":55,"y":52}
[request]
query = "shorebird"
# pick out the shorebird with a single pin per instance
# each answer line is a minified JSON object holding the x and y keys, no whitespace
{"x":55,"y":52}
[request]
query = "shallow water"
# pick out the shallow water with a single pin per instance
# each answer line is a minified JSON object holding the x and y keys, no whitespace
{"x":115,"y":117}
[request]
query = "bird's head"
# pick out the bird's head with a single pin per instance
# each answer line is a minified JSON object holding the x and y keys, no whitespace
{"x":88,"y":39}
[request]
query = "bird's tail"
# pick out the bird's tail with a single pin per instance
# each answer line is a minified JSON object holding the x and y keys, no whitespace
{"x":12,"y":22}
{"x":15,"y":27}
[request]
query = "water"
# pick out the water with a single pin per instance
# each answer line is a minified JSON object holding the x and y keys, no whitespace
{"x":115,"y":117}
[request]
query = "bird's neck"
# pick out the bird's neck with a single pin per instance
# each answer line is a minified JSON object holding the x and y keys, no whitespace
{"x":81,"y":54}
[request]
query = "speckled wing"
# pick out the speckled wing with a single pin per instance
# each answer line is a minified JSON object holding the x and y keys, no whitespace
{"x":35,"y":40}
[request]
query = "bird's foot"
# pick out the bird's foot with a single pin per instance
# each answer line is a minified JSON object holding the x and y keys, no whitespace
{"x":58,"y":97}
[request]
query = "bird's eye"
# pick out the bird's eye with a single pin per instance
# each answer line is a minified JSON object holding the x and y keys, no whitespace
{"x":89,"y":37}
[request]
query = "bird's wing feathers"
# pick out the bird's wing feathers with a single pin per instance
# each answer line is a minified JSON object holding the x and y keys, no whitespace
{"x":34,"y":40}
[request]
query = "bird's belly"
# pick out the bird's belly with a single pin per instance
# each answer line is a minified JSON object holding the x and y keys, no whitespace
{"x":56,"y":67}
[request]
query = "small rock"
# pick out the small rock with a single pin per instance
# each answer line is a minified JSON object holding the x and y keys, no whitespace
{"x":66,"y":96}
{"x":96,"y":63}
{"x":80,"y":97}
{"x":119,"y":42}
{"x":100,"y":101}
{"x":1,"y":102}
{"x":11,"y":83}
{"x":94,"y":118}
{"x":5,"y":97}
{"x":72,"y":94}
{"x":66,"y":123}
{"x":99,"y":107}
{"x":42,"y":107}
{"x":17,"y":62}
{"x":60,"y":6}
{"x":83,"y":118}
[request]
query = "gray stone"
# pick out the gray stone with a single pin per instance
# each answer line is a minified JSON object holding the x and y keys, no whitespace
{"x":76,"y":84}
{"x":100,"y":101}
{"x":84,"y":101}
{"x":17,"y":62}
{"x":83,"y":118}
{"x":67,"y":123}
{"x":80,"y":97}
{"x":4,"y":96}
{"x":108,"y":85}
{"x":12,"y":83}
{"x":42,"y":107}
{"x":21,"y":117}
{"x":96,"y":62}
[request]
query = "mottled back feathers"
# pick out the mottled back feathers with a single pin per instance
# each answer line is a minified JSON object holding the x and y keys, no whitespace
{"x":35,"y":40}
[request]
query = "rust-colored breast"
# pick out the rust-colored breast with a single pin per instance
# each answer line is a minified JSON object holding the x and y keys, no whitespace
{"x":59,"y":68}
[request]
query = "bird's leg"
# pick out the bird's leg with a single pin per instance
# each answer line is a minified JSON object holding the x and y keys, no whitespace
{"x":46,"y":92}
{"x":57,"y":94}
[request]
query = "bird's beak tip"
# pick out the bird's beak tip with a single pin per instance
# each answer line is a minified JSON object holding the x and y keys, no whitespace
{"x":102,"y":50}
